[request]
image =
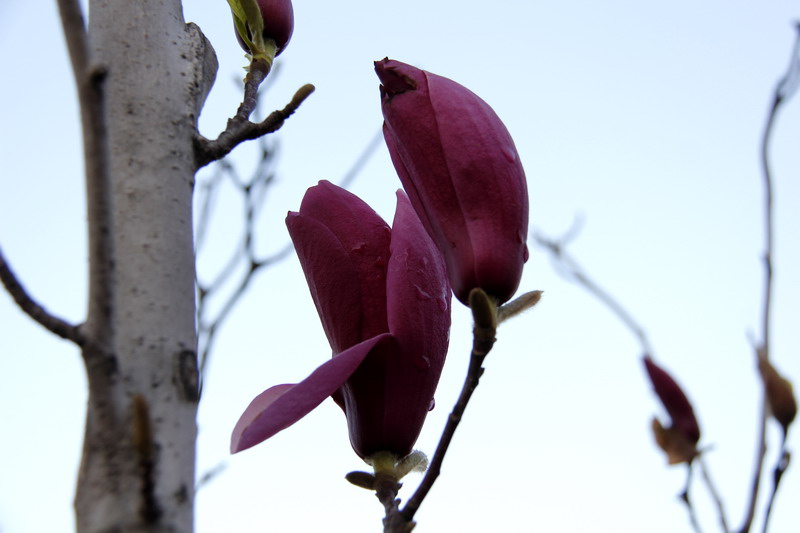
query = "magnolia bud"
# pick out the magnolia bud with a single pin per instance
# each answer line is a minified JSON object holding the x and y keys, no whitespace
{"x":463,"y":175}
{"x":263,"y":27}
{"x":679,"y":440}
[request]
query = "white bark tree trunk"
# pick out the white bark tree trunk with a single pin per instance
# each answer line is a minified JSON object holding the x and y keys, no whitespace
{"x":137,"y":471}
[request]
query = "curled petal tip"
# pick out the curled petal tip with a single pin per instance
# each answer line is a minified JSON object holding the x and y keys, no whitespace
{"x":393,"y":80}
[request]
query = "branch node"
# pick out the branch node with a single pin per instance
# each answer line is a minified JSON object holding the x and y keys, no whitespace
{"x":241,"y":129}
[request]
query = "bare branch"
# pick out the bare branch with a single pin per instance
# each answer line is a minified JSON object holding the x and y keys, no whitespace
{"x":684,"y":496}
{"x":714,"y":492}
{"x":90,"y":96}
{"x":210,"y":475}
{"x":74,"y":27}
{"x":484,"y":312}
{"x":89,"y":81}
{"x":784,"y":89}
{"x":572,"y":269}
{"x":362,"y":159}
{"x":239,"y":130}
{"x":33,"y":309}
{"x":253,"y":191}
{"x":777,"y":475}
{"x":206,"y":193}
{"x":256,"y":74}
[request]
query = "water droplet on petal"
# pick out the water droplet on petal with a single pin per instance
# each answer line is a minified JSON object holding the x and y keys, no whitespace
{"x":432,"y":404}
{"x":423,"y":363}
{"x":510,"y":154}
{"x":422,"y":294}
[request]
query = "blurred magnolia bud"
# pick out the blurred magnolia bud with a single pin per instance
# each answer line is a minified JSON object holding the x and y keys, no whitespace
{"x":780,"y":393}
{"x":679,"y":440}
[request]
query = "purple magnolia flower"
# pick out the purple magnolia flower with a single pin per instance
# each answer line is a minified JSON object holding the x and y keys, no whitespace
{"x":461,"y":170}
{"x":277,"y":19}
{"x":384,"y":301}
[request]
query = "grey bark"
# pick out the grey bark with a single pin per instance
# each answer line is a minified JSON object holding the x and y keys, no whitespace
{"x":137,"y":470}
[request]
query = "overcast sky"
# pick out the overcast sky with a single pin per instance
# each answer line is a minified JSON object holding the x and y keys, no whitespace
{"x":642,"y":120}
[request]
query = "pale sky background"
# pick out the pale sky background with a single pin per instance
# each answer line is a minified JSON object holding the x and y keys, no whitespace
{"x":645,"y":118}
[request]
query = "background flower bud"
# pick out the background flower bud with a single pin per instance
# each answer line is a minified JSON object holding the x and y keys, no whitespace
{"x":679,"y":440}
{"x":462,"y":173}
{"x":780,"y":393}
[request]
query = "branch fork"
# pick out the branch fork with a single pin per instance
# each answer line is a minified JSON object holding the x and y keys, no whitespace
{"x":240,"y":128}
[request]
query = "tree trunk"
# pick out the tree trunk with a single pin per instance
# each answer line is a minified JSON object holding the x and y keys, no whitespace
{"x":137,"y":471}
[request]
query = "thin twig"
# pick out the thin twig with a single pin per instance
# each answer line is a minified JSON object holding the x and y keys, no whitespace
{"x":206,"y":195}
{"x":209,"y":475}
{"x":89,"y":82}
{"x":761,"y":452}
{"x":252,"y":191}
{"x":239,"y":131}
{"x":784,"y":89}
{"x":474,"y":374}
{"x":74,"y":27}
{"x":715,"y":495}
{"x":572,"y":269}
{"x":363,"y":158}
{"x":256,"y":74}
{"x":777,"y":475}
{"x":33,"y":309}
{"x":684,"y":496}
{"x":207,"y":329}
{"x":483,"y":340}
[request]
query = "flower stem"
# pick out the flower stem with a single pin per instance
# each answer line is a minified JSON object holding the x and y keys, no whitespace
{"x":483,"y":340}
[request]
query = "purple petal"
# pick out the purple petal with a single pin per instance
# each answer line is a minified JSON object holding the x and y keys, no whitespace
{"x":331,"y":278}
{"x":278,"y":21}
{"x":257,"y":406}
{"x":389,"y":395}
{"x":418,"y":293}
{"x":343,"y":246}
{"x":281,"y":406}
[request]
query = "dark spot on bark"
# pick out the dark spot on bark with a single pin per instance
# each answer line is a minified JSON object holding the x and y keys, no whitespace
{"x":182,"y":494}
{"x":187,"y":377}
